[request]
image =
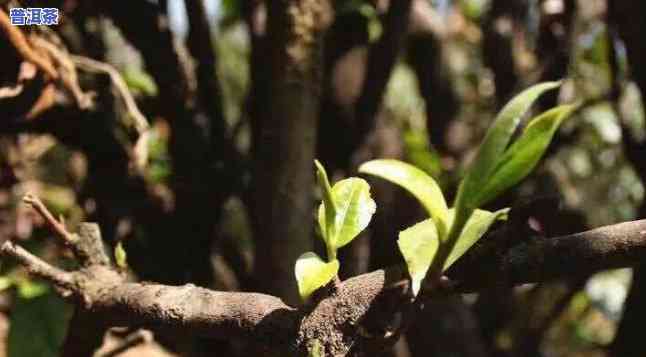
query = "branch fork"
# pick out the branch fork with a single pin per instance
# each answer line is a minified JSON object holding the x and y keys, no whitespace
{"x":362,"y":315}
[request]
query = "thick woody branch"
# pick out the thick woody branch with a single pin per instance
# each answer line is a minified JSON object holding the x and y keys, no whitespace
{"x":614,"y":246}
{"x":258,"y":318}
{"x":360,"y":315}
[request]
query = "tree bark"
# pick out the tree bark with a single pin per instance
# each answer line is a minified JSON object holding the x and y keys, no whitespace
{"x":284,"y":154}
{"x":362,"y":315}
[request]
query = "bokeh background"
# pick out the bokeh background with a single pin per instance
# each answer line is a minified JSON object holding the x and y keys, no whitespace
{"x":417,"y":80}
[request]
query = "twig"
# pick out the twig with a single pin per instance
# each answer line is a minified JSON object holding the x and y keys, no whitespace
{"x":37,"y":267}
{"x":87,"y":246}
{"x":20,"y":43}
{"x":140,"y":122}
{"x":57,"y":226}
{"x":11,"y":92}
{"x":69,"y":77}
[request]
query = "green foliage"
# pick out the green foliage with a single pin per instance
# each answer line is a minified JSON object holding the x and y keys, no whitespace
{"x":438,"y":243}
{"x":345,"y":211}
{"x":490,"y":155}
{"x":120,"y":256}
{"x":418,"y":245}
{"x":476,"y":226}
{"x":38,"y":324}
{"x":159,"y":165}
{"x":140,"y":82}
{"x":523,"y":155}
{"x":494,"y":144}
{"x":28,"y":288}
{"x":328,"y":222}
{"x":312,"y":273}
{"x":415,"y":181}
{"x":354,"y":209}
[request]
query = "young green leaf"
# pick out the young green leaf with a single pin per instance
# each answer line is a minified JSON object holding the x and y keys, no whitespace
{"x":418,"y":245}
{"x":316,"y":350}
{"x":120,"y":256}
{"x":312,"y":273}
{"x":476,"y":226}
{"x":354,"y":209}
{"x":327,"y":224}
{"x":415,"y":181}
{"x":495,"y":143}
{"x":523,"y":155}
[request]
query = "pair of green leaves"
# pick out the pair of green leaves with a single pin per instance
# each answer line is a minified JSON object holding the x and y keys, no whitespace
{"x":442,"y":239}
{"x":419,"y":244}
{"x":497,"y":165}
{"x":346,"y":210}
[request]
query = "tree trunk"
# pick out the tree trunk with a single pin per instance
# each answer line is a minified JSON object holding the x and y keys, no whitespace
{"x":282,"y":194}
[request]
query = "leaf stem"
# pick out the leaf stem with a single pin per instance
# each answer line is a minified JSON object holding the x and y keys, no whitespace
{"x":331,"y":253}
{"x":446,"y":246}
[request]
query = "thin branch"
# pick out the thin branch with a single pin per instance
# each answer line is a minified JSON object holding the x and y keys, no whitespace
{"x":22,"y":46}
{"x":139,"y":120}
{"x":87,"y":246}
{"x":53,"y":223}
{"x":140,"y":123}
{"x":38,"y":267}
{"x":68,"y":74}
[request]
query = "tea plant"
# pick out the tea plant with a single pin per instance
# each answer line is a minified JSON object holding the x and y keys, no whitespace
{"x":433,"y":245}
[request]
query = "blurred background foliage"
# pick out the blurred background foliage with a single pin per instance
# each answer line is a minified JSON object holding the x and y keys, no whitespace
{"x":587,"y":169}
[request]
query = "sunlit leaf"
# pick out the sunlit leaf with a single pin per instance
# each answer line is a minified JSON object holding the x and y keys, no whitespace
{"x":415,"y":181}
{"x":312,"y":273}
{"x":494,"y":144}
{"x":523,"y":155}
{"x":326,"y":221}
{"x":120,"y":256}
{"x":418,"y":245}
{"x":476,"y":226}
{"x":354,"y":209}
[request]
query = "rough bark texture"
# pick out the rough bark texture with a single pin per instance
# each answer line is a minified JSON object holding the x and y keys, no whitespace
{"x":360,"y":316}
